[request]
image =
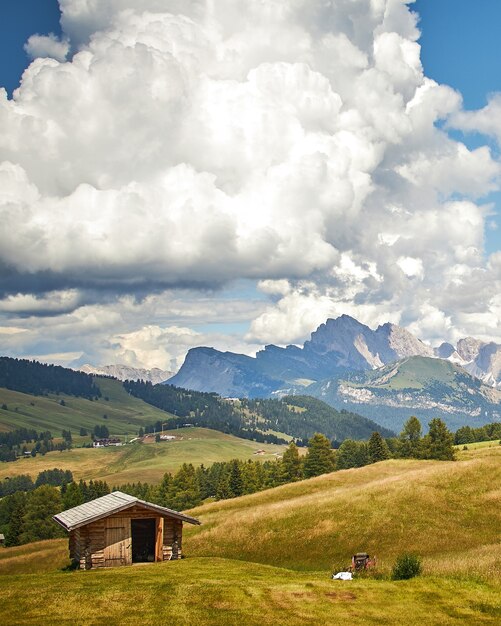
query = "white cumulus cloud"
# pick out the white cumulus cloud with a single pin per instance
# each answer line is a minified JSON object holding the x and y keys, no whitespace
{"x":186,"y":145}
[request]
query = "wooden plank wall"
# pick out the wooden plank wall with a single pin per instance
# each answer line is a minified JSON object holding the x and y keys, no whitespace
{"x":88,"y":544}
{"x":173,"y":532}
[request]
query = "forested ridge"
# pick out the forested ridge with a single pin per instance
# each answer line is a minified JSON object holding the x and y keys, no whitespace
{"x":40,"y":379}
{"x":297,"y":416}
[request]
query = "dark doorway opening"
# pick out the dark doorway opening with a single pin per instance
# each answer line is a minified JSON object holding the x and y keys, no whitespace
{"x":143,"y":540}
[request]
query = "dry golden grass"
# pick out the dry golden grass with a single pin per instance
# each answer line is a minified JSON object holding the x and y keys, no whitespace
{"x":39,"y":557}
{"x":448,"y":513}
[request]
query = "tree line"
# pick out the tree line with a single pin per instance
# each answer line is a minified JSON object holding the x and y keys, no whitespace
{"x":489,"y":432}
{"x":24,"y":482}
{"x":297,"y":416}
{"x":40,"y":379}
{"x":26,"y":515}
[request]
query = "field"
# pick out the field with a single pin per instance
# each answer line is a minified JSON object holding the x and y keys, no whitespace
{"x":223,"y":592}
{"x":267,"y":558}
{"x":448,"y":512}
{"x":144,"y":462}
{"x":124,"y":413}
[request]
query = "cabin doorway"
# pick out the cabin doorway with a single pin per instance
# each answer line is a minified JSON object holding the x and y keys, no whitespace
{"x":143,"y":540}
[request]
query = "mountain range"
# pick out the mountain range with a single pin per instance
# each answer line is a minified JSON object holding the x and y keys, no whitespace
{"x":385,"y":374}
{"x":126,"y":372}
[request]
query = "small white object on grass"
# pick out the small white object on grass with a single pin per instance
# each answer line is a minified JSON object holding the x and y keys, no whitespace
{"x":342,"y":576}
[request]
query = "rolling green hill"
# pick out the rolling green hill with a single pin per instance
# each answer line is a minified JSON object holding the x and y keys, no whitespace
{"x":266,"y":559}
{"x":42,"y":397}
{"x":125,"y":413}
{"x":146,"y":462}
{"x":448,"y":512}
{"x":421,"y":386}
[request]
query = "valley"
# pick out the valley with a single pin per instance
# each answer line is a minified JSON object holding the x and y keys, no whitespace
{"x":145,"y":462}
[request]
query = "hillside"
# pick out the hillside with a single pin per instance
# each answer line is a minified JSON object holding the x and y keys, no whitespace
{"x":421,"y":386}
{"x":125,"y":407}
{"x":297,"y":416}
{"x":125,"y":413}
{"x":448,"y":512}
{"x":235,"y":570}
{"x":144,"y":462}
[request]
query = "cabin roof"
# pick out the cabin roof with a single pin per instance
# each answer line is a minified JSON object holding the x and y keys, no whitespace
{"x":108,"y":505}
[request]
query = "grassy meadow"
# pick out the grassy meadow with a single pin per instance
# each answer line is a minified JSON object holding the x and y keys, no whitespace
{"x":447,"y":512}
{"x":125,"y":414}
{"x":145,"y":462}
{"x":266,"y":558}
{"x":220,"y":592}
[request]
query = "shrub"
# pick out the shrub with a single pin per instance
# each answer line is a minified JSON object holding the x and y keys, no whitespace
{"x":406,"y":566}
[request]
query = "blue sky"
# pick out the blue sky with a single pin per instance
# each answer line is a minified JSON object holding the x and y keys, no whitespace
{"x":19,"y":20}
{"x":141,"y":146}
{"x":460,"y":46}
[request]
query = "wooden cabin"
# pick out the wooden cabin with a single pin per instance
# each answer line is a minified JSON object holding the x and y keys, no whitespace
{"x":119,"y":529}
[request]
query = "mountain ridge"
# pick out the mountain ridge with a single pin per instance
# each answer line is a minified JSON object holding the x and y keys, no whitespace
{"x":339,"y":349}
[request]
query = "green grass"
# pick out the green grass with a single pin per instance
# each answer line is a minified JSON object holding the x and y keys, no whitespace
{"x":144,"y":462}
{"x":267,"y":558}
{"x":223,"y":592}
{"x":479,"y":444}
{"x":414,"y":373}
{"x":125,"y":414}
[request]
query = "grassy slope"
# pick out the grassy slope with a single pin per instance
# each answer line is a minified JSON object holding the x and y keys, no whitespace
{"x":447,"y":512}
{"x":418,"y":372}
{"x":125,"y":413}
{"x":144,"y":462}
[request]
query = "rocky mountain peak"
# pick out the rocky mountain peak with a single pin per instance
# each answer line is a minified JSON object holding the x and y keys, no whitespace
{"x":154,"y":375}
{"x":468,"y":348}
{"x":402,"y":342}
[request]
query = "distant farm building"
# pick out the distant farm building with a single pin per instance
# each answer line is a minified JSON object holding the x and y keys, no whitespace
{"x":2,"y":539}
{"x":119,"y":529}
{"x":104,"y":443}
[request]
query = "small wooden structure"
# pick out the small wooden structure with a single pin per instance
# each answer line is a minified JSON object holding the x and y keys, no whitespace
{"x":119,"y":529}
{"x":362,"y":561}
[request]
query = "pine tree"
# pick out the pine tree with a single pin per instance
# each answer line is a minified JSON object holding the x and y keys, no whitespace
{"x":291,"y":468}
{"x":223,"y":491}
{"x":37,"y":522}
{"x":15,"y":506}
{"x":236,"y":482}
{"x":464,"y":435}
{"x":72,"y":496}
{"x":163,"y":490}
{"x":377,"y":448}
{"x":250,"y":477}
{"x":352,"y":454}
{"x":410,"y":438}
{"x":320,"y":458}
{"x":184,"y":492}
{"x":439,"y":442}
